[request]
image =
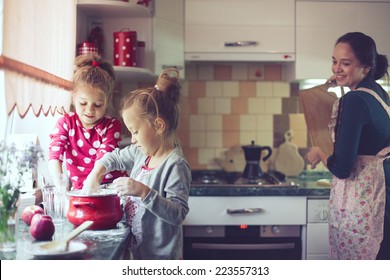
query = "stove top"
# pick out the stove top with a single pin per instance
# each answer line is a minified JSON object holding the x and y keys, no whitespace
{"x":234,"y":179}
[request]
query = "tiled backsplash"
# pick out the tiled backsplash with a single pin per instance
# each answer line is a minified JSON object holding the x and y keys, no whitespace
{"x":232,"y":104}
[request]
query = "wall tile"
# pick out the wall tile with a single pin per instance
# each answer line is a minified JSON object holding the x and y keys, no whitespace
{"x":205,"y":72}
{"x":265,"y":138}
{"x":214,"y":139}
{"x":191,"y":154}
{"x":256,"y":106}
{"x":197,"y":139}
{"x":247,"y":89}
{"x":196,"y":88}
{"x":206,"y":156}
{"x":206,"y":105}
{"x":256,"y":72}
{"x":230,"y":89}
{"x":223,"y":72}
{"x":264,"y":89}
{"x":265,"y":123}
{"x":297,"y":122}
{"x":191,"y":72}
{"x":190,"y":105}
{"x":273,"y":105}
{"x":273,"y":72}
{"x":230,"y":138}
{"x":214,"y":89}
{"x":222,"y":105}
{"x":214,"y":123}
{"x":246,"y":137}
{"x":239,"y":106}
{"x":248,"y":122}
{"x":299,"y":138}
{"x":239,"y":72}
{"x":231,"y":123}
{"x":197,"y":123}
{"x":281,"y":89}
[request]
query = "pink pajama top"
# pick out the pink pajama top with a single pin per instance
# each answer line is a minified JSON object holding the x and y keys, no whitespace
{"x":81,"y":147}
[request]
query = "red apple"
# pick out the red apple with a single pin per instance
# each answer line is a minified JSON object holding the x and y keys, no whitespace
{"x":29,"y":212}
{"x":42,"y":227}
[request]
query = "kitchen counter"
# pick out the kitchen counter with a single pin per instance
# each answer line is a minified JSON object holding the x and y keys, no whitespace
{"x":296,"y":186}
{"x":101,"y":244}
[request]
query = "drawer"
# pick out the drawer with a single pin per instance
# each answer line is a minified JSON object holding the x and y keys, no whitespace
{"x":259,"y":210}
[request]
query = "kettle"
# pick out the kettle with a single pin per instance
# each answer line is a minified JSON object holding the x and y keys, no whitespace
{"x":253,"y":152}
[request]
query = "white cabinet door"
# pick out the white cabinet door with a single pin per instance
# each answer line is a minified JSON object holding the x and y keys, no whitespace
{"x":253,"y":210}
{"x":317,"y":245}
{"x":242,"y":28}
{"x":320,"y":24}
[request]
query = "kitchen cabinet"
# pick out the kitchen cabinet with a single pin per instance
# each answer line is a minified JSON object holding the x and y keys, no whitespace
{"x":257,"y":210}
{"x":159,"y":25}
{"x":320,"y":24}
{"x":247,"y":30}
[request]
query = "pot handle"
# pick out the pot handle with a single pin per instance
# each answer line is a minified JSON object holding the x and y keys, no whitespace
{"x":267,"y":148}
{"x":83,"y":203}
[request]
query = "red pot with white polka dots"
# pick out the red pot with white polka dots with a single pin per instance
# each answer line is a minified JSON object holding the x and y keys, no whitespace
{"x":125,"y":48}
{"x":103,"y":209}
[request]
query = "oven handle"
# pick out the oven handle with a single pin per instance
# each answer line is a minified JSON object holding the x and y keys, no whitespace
{"x":244,"y":211}
{"x":264,"y":246}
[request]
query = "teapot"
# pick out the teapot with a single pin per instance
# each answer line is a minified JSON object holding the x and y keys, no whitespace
{"x":253,"y":154}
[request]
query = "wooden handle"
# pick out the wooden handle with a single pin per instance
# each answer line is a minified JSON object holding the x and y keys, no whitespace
{"x":78,"y":230}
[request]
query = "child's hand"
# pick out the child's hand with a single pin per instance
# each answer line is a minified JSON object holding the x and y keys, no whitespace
{"x":127,"y":186}
{"x":91,"y":185}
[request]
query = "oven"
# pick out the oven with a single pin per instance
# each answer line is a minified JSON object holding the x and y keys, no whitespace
{"x":243,"y":242}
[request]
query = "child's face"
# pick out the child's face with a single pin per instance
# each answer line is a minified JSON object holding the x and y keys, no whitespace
{"x":143,"y":134}
{"x":90,"y":105}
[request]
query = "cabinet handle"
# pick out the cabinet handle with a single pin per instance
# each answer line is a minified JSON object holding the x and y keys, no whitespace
{"x":178,"y":67}
{"x":244,"y":211}
{"x":241,"y":44}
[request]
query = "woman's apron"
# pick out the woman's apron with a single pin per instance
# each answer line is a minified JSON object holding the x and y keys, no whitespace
{"x":357,"y":204}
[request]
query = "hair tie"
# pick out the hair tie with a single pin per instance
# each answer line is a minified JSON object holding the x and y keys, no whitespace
{"x":95,"y":63}
{"x":156,"y":87}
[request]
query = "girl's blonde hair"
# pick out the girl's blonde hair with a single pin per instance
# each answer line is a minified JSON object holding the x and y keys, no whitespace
{"x":160,"y":101}
{"x":94,"y":71}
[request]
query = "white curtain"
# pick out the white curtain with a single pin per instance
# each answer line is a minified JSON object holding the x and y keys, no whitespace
{"x":39,"y":33}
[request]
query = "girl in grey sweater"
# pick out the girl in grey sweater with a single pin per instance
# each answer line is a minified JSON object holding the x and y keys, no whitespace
{"x":156,"y":193}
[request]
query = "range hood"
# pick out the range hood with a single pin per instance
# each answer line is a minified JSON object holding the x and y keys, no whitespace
{"x":242,"y":57}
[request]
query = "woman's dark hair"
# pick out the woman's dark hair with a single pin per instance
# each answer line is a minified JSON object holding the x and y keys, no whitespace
{"x":160,"y":101}
{"x":365,"y":51}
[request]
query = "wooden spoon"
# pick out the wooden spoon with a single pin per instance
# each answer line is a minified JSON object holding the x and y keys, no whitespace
{"x":62,"y":245}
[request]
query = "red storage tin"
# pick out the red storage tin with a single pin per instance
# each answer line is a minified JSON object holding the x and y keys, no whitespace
{"x":87,"y":48}
{"x":125,"y":48}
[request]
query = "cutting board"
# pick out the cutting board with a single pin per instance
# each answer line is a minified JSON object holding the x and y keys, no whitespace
{"x":288,"y":160}
{"x":317,"y":105}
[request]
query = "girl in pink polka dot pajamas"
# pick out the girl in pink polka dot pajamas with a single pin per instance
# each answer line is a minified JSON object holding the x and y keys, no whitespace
{"x":85,"y":135}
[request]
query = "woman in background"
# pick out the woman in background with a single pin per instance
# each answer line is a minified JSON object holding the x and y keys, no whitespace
{"x":359,"y":225}
{"x":85,"y":135}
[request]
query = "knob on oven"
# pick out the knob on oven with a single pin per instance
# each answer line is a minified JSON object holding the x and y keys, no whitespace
{"x":323,"y":215}
{"x":275,"y":229}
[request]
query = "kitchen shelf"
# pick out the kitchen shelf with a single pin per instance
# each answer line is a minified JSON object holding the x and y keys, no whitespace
{"x":113,"y":9}
{"x":124,"y":74}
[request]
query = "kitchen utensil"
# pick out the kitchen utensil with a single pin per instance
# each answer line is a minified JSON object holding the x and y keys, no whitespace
{"x":62,"y":245}
{"x":288,"y":160}
{"x":103,"y":208}
{"x":253,"y":154}
{"x":317,"y":105}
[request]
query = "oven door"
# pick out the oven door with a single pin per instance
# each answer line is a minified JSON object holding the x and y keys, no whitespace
{"x":242,"y":242}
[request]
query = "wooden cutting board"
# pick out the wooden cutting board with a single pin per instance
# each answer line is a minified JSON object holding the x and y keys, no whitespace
{"x":317,"y":105}
{"x":288,"y":160}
